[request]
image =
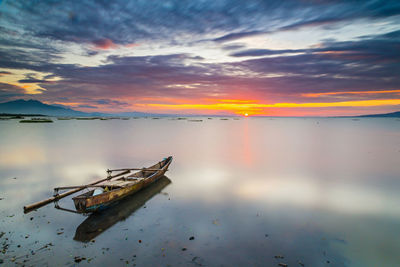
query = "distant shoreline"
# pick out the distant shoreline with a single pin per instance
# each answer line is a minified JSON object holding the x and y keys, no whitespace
{"x":22,"y":115}
{"x":385,"y":115}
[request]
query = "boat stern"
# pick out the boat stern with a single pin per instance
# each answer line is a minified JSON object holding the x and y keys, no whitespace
{"x":80,"y":201}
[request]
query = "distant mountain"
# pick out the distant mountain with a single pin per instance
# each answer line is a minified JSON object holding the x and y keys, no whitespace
{"x":386,"y":115}
{"x":36,"y":107}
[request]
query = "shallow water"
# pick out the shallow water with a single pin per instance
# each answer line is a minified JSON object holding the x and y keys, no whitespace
{"x":320,"y":191}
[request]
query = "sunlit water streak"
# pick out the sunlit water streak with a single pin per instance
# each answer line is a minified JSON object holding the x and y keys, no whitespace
{"x":320,"y":191}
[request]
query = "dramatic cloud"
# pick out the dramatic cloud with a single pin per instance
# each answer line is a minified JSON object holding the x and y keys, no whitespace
{"x":238,"y":35}
{"x":87,"y":106}
{"x":9,"y":92}
{"x":104,"y":44}
{"x":263,"y":52}
{"x":144,"y":55}
{"x":5,"y":73}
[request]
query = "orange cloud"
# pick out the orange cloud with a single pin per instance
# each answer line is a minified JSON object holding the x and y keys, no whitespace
{"x":30,"y":89}
{"x":2,"y":73}
{"x":253,"y":107}
{"x":350,"y":92}
{"x":104,"y":44}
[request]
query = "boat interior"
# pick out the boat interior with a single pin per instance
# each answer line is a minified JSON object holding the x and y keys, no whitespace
{"x":126,"y":180}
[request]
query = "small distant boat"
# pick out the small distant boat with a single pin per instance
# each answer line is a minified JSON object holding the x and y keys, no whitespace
{"x":106,"y":191}
{"x":113,"y":190}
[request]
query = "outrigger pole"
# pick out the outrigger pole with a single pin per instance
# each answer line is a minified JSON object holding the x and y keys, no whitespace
{"x":57,"y":196}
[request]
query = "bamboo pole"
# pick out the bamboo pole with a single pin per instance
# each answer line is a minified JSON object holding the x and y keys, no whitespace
{"x":78,"y":186}
{"x":39,"y":204}
{"x":135,"y":169}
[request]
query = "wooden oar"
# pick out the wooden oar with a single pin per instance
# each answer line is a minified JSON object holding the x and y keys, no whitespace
{"x":39,"y":204}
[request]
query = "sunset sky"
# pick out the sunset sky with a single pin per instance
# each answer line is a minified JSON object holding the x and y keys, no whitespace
{"x":278,"y":58}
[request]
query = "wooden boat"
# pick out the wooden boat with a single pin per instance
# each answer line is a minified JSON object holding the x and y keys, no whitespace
{"x":109,"y":191}
{"x":106,"y":191}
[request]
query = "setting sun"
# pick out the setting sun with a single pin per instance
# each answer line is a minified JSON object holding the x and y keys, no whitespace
{"x":246,"y":115}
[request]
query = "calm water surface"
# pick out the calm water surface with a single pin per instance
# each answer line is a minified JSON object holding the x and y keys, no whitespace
{"x":320,"y":191}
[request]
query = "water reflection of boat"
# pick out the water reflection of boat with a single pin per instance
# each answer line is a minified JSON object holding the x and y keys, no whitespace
{"x":97,"y":223}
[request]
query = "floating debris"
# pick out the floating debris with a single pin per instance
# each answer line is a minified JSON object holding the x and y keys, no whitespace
{"x":79,"y":259}
{"x":45,"y":246}
{"x":198,"y":261}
